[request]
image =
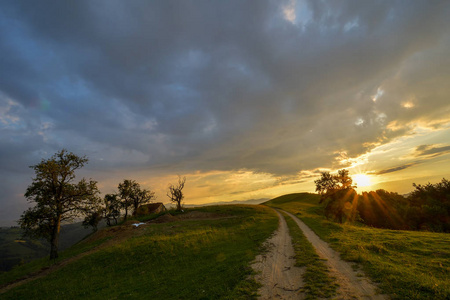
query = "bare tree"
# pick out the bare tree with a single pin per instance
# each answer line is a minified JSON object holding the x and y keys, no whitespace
{"x":175,"y":192}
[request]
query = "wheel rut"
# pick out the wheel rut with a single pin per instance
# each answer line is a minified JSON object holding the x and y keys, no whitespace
{"x":277,"y":273}
{"x":281,"y":279}
{"x":352,"y":284}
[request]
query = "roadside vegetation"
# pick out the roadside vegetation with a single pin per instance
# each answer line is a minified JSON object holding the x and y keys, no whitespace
{"x":427,"y":207}
{"x":181,"y":259}
{"x":405,"y":264}
{"x":317,"y":280}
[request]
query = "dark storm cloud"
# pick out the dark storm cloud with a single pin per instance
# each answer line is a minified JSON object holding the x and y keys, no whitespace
{"x":226,"y":85}
{"x":395,"y":169}
{"x":431,"y":150}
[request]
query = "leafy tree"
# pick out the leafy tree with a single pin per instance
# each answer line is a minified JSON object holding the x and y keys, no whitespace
{"x":337,"y":191}
{"x":383,"y":209}
{"x":141,"y":197}
{"x":57,"y":197}
{"x":111,"y":210}
{"x":127,"y":189}
{"x":430,"y":206}
{"x":328,"y":184}
{"x":175,"y":192}
{"x":93,"y":218}
{"x":132,"y":196}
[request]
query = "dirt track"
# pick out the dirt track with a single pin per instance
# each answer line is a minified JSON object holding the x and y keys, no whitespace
{"x":351,"y":286}
{"x":281,"y":280}
{"x":279,"y":277}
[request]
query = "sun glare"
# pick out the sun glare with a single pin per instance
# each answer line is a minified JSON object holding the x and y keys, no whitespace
{"x":362,"y":180}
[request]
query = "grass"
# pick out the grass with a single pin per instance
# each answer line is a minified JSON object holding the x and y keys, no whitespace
{"x":190,"y":259}
{"x":316,"y":278}
{"x":42,"y":263}
{"x":405,"y":264}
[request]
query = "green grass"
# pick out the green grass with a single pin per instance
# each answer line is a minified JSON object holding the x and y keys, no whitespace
{"x":406,"y":264}
{"x":191,"y":259}
{"x":16,"y":249}
{"x":316,"y":278}
{"x":42,"y":263}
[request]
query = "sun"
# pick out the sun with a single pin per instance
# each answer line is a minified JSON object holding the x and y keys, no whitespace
{"x":362,"y":180}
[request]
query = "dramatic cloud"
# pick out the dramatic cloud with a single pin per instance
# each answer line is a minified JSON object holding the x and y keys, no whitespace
{"x":395,"y":169}
{"x":274,"y":88}
{"x":431,"y":150}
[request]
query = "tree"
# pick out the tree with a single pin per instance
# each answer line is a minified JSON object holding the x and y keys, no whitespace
{"x":329,"y":184}
{"x":325,"y":184}
{"x":175,"y":192}
{"x":141,"y":197}
{"x":111,"y":209}
{"x":57,"y":197}
{"x":127,"y":189}
{"x":338,"y":193}
{"x":132,"y":196}
{"x":93,"y":218}
{"x":430,"y":206}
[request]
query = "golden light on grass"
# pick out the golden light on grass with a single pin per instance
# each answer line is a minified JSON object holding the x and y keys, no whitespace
{"x":362,"y":180}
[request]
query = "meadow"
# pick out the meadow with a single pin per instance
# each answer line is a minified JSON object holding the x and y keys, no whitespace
{"x":180,"y":259}
{"x":405,"y":264}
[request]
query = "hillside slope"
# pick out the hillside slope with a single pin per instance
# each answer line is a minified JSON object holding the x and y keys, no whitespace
{"x":203,"y":253}
{"x":406,"y":264}
{"x":14,"y":249}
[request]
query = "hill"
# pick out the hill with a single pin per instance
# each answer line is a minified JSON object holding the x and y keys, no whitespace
{"x":202,"y":253}
{"x":205,"y":253}
{"x":406,"y":264}
{"x":14,"y":249}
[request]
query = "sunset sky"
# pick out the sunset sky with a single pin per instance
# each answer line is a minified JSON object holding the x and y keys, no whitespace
{"x":247,"y":99}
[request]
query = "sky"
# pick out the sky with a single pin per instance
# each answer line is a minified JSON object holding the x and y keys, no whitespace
{"x":247,"y":99}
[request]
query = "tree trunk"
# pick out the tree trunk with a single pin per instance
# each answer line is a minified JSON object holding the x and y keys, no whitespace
{"x":126,"y":214}
{"x":179,"y":205}
{"x":55,"y":238}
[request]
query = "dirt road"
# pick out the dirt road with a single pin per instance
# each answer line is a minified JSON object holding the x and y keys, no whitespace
{"x":279,"y":277}
{"x":351,"y":285}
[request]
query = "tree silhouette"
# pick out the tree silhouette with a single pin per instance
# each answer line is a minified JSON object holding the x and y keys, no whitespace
{"x":126,"y":191}
{"x":337,"y":191}
{"x":175,"y":192}
{"x":57,"y":197}
{"x":132,"y":196}
{"x":141,"y":197}
{"x":111,"y":210}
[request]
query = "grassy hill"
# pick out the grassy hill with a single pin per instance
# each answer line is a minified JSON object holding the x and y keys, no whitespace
{"x":406,"y":264}
{"x":205,"y":253}
{"x":14,"y":249}
{"x":202,"y":254}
